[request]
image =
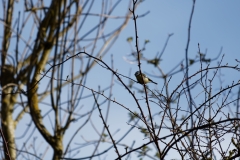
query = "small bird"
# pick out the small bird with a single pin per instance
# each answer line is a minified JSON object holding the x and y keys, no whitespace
{"x":143,"y":79}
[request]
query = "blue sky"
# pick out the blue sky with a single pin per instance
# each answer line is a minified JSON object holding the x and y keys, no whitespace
{"x":215,"y":24}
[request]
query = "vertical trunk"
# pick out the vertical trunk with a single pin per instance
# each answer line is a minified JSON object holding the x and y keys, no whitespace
{"x":58,"y":148}
{"x":7,"y":122}
{"x":8,"y":100}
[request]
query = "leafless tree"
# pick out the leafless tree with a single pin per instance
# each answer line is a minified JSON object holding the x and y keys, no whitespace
{"x":44,"y":35}
{"x":45,"y":81}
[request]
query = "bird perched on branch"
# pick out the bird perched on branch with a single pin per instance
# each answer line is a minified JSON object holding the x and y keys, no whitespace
{"x":143,"y":79}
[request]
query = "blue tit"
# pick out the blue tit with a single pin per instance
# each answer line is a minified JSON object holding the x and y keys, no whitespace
{"x":143,"y":79}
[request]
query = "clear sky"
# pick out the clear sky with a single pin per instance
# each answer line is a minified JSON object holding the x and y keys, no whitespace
{"x":215,"y":24}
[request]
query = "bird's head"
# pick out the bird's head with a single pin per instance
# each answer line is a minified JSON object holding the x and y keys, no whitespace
{"x":137,"y":73}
